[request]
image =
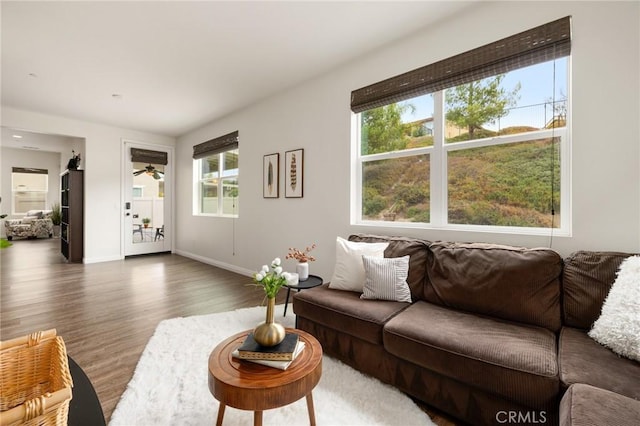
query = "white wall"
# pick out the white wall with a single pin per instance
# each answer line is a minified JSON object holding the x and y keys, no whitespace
{"x":102,"y":162}
{"x":316,"y":116}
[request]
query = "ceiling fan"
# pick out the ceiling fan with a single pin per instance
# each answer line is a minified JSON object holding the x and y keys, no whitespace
{"x":151,"y":171}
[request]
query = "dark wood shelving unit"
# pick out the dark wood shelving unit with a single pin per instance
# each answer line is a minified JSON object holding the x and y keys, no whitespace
{"x":72,"y":205}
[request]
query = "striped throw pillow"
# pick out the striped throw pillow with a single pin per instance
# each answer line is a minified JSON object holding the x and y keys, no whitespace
{"x":386,"y":278}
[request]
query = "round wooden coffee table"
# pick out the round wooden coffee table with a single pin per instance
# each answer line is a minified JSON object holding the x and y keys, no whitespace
{"x":249,"y":386}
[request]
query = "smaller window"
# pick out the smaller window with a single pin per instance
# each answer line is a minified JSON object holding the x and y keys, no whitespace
{"x":29,"y":189}
{"x":138,"y":191}
{"x":217,"y":184}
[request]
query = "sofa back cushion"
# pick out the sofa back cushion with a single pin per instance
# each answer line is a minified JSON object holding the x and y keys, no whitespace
{"x":586,"y":281}
{"x":415,"y":248}
{"x":512,"y":283}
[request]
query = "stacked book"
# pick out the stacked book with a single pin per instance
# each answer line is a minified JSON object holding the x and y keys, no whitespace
{"x":279,"y":356}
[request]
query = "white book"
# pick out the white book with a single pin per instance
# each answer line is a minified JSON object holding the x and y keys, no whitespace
{"x":281,"y":365}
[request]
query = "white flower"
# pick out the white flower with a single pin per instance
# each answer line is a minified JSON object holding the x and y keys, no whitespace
{"x":259,"y":276}
{"x":276,"y":261}
{"x":265,"y":269}
{"x":278,"y":270}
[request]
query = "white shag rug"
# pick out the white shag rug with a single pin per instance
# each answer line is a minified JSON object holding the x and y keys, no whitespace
{"x":169,"y":385}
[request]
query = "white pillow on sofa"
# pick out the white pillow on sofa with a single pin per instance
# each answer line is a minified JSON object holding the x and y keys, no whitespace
{"x":618,"y":326}
{"x":386,"y":278}
{"x":348,"y":273}
{"x":37,"y":214}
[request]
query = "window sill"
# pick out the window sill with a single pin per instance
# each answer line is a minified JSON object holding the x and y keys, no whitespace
{"x":511,"y":230}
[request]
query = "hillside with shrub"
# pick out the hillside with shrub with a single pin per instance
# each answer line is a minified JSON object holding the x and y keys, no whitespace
{"x":504,"y":185}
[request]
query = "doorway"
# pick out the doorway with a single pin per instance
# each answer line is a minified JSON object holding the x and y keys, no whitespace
{"x":147,"y":188}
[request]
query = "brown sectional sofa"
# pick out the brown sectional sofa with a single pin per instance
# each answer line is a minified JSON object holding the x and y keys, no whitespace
{"x":493,"y":333}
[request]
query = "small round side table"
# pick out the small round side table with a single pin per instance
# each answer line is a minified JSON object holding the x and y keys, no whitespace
{"x":249,"y":386}
{"x":311,"y":282}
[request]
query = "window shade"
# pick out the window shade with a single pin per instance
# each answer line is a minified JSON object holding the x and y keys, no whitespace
{"x":148,"y":156}
{"x":534,"y":46}
{"x":216,"y":146}
{"x":29,"y":170}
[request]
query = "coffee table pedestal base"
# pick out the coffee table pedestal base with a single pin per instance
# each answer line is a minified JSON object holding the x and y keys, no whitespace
{"x":257,"y":415}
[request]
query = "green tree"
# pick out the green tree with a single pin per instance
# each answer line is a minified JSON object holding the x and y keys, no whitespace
{"x":383,"y":130}
{"x":473,"y":104}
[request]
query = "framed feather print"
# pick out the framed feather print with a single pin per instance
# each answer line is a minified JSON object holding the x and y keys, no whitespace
{"x":294,"y":166}
{"x":271,"y":176}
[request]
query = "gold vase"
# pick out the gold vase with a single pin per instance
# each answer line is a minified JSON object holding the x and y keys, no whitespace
{"x":269,"y":333}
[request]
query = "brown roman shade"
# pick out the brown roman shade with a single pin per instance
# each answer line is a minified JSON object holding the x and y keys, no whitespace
{"x":216,"y":146}
{"x":29,"y":170}
{"x":148,"y":156}
{"x":534,"y":46}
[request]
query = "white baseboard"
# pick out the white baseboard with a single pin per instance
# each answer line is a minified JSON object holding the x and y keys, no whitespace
{"x":101,"y":259}
{"x":213,"y":262}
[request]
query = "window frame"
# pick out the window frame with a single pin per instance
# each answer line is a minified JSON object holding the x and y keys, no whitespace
{"x":141,"y":188}
{"x":223,"y":175}
{"x":438,"y":155}
{"x":15,"y":191}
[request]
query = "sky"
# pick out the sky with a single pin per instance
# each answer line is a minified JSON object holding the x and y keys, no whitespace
{"x":536,"y":87}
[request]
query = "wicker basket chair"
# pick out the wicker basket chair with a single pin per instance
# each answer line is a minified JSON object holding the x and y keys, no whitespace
{"x":35,"y":383}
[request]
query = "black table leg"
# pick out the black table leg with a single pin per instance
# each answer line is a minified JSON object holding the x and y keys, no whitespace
{"x":286,"y":303}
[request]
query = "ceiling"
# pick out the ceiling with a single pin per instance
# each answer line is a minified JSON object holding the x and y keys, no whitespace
{"x":168,"y":67}
{"x":22,"y":139}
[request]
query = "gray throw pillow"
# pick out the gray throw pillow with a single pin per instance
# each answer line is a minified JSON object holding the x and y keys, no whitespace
{"x":386,"y":278}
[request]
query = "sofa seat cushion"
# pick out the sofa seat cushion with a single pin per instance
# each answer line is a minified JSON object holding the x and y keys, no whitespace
{"x":583,"y":360}
{"x":584,"y":405}
{"x":515,"y":361}
{"x":345,"y":311}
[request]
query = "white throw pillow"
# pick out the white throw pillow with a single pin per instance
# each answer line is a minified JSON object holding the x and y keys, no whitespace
{"x":618,"y":326}
{"x":386,"y":278}
{"x":348,"y":273}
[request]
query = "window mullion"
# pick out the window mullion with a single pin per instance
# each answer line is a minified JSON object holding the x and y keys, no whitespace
{"x":565,"y":181}
{"x":201,"y":187}
{"x":565,"y":161}
{"x":220,"y":183}
{"x":356,"y":170}
{"x":438,"y":169}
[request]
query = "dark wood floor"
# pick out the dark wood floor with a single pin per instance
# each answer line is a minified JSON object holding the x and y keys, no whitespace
{"x":106,"y":312}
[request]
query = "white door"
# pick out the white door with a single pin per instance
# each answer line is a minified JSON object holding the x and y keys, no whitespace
{"x":147,"y":199}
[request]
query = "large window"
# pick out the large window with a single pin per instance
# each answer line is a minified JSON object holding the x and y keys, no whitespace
{"x":29,"y":189}
{"x":490,"y":152}
{"x":216,"y":177}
